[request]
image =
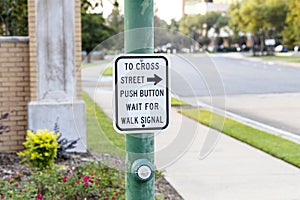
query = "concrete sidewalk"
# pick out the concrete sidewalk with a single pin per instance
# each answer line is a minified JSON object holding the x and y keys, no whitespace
{"x":232,"y":170}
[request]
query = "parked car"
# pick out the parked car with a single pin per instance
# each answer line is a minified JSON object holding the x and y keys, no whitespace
{"x":281,"y":48}
{"x":297,"y":48}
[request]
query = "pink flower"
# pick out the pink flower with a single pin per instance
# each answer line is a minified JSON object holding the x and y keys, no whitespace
{"x":77,"y":182}
{"x":21,"y":190}
{"x":86,"y":178}
{"x":113,"y":198}
{"x":39,"y":197}
{"x":117,"y":193}
{"x":68,"y":170}
{"x":65,"y":179}
{"x":102,"y":190}
{"x":86,"y":184}
{"x":99,"y":179}
{"x":2,"y":197}
{"x":61,"y":197}
{"x":106,"y":198}
{"x":16,"y":185}
{"x":73,"y":175}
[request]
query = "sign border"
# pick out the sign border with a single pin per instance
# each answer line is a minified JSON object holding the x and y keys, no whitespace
{"x":140,"y":130}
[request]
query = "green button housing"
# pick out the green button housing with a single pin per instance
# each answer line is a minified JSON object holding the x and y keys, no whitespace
{"x":142,"y":169}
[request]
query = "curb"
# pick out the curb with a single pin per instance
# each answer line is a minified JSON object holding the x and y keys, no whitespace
{"x":254,"y":124}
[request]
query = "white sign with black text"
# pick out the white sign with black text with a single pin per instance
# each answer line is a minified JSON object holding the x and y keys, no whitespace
{"x":141,"y":93}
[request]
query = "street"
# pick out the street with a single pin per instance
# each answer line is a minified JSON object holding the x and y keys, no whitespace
{"x":235,"y":76}
{"x":230,"y":169}
{"x":261,"y":91}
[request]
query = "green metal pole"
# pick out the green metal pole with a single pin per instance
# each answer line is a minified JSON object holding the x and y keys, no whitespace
{"x":139,"y":39}
{"x":138,"y":26}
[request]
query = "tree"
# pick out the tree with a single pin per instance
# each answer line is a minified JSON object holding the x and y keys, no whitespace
{"x":115,"y":19}
{"x":13,"y":17}
{"x":263,"y":18}
{"x":189,"y":24}
{"x":94,"y":31}
{"x":222,"y":22}
{"x":291,"y":31}
{"x":211,"y":20}
{"x":236,"y":21}
{"x":198,"y":26}
{"x":216,"y":21}
{"x":89,"y":6}
{"x":93,"y":26}
{"x":173,"y":26}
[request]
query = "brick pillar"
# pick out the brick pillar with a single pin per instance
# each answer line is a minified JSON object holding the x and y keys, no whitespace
{"x":55,"y":59}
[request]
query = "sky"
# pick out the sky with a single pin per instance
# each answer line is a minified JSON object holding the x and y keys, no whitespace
{"x":169,"y":9}
{"x":166,"y":9}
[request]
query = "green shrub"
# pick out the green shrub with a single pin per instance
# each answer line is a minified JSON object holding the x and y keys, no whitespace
{"x":41,"y":148}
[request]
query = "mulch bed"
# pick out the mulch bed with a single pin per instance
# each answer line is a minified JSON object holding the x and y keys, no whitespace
{"x":10,"y":164}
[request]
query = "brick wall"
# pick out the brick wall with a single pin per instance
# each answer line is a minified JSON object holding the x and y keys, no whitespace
{"x":32,"y":50}
{"x":14,"y":90}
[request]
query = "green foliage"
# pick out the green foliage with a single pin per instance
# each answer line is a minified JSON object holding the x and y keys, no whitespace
{"x":94,"y":31}
{"x":197,"y":26}
{"x":115,"y":19}
{"x":41,"y":148}
{"x":189,"y":24}
{"x":256,"y":16}
{"x":90,"y":6}
{"x":291,"y":31}
{"x":173,"y":26}
{"x":279,"y":147}
{"x":92,"y":180}
{"x":85,"y":6}
{"x":13,"y":18}
{"x":263,"y":18}
{"x":235,"y":23}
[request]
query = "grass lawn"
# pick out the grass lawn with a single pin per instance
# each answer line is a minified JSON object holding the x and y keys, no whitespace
{"x":177,"y":102}
{"x":85,"y":65}
{"x":107,"y":72}
{"x":291,"y":59}
{"x":276,"y":146}
{"x":94,"y":63}
{"x":101,"y":136}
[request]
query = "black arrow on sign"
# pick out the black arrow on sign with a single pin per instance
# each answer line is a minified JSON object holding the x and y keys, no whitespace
{"x":156,"y":79}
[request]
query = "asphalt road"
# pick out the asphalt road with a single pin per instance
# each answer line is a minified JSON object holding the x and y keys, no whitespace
{"x":213,"y":75}
{"x":261,"y":91}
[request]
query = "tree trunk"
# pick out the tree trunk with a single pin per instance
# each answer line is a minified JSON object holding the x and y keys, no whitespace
{"x":262,"y":43}
{"x":253,"y":45}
